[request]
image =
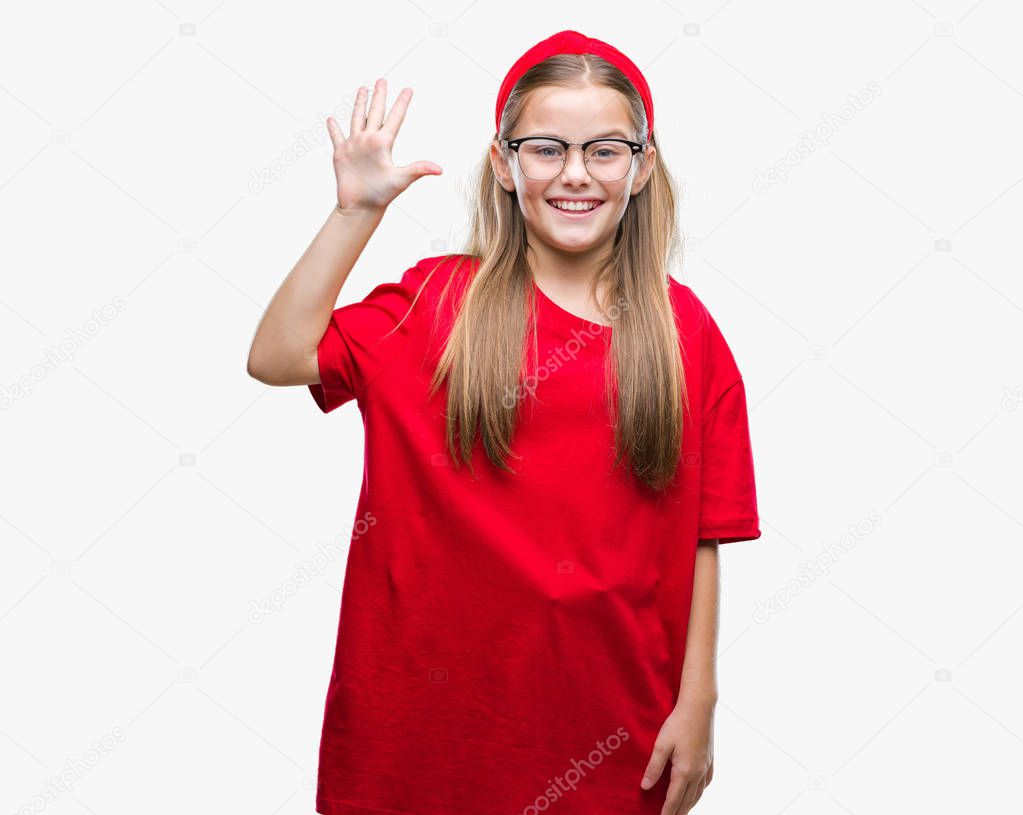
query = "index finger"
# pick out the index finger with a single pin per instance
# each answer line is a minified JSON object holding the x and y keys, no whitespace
{"x":397,"y":114}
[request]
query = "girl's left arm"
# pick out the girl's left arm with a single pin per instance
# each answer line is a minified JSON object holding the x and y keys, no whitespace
{"x":699,"y":683}
{"x":686,"y":738}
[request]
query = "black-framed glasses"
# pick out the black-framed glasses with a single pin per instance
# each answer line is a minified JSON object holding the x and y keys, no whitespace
{"x":542,"y":158}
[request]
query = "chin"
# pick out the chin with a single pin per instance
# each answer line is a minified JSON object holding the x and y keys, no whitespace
{"x":572,"y":247}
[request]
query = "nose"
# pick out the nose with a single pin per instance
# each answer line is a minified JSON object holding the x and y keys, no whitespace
{"x":575,"y":165}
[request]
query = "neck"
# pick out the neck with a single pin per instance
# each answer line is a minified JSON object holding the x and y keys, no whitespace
{"x":566,"y":270}
{"x":568,"y":277}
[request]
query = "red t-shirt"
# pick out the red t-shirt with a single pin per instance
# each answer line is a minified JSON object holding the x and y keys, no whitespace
{"x":514,"y":643}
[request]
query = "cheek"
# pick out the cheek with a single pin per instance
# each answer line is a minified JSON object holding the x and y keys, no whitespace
{"x":532,"y":200}
{"x":620,"y":206}
{"x":618,"y":201}
{"x":534,"y":196}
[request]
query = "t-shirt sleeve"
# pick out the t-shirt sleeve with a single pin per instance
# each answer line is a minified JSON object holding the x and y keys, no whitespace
{"x":728,"y":497}
{"x":360,"y":339}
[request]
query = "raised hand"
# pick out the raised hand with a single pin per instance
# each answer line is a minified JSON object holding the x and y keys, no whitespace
{"x":367,"y":178}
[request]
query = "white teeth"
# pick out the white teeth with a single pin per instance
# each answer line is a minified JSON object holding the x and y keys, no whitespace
{"x":574,"y":206}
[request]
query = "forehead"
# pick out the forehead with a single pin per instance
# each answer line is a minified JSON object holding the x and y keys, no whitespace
{"x":575,"y":113}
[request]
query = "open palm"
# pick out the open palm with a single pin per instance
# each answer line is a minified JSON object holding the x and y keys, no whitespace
{"x":366,"y":176}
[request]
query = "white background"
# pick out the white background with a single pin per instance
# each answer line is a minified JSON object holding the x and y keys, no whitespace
{"x":151,"y":491}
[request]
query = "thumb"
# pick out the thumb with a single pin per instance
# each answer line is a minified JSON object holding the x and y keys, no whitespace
{"x":655,"y":767}
{"x":417,"y":169}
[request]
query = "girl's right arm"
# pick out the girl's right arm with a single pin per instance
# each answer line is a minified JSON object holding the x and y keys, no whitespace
{"x":283,"y":350}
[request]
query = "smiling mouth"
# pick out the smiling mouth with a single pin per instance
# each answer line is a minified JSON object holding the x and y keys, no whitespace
{"x":576,"y":211}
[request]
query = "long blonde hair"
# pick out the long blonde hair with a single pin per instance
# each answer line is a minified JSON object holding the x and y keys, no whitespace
{"x":483,"y":359}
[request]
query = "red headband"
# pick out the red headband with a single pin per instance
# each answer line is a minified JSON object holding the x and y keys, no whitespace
{"x":572,"y":42}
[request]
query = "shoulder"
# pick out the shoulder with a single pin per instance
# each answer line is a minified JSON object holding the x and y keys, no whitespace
{"x":432,"y":286}
{"x":430,"y":276}
{"x":703,"y":342}
{"x":692,"y":316}
{"x":442,"y":268}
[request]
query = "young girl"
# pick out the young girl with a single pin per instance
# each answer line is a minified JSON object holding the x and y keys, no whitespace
{"x":556,"y":440}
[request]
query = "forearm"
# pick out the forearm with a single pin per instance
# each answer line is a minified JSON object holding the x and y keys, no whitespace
{"x":699,"y":675}
{"x":299,"y":312}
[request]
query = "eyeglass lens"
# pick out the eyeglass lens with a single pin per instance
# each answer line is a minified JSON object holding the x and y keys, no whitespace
{"x":543,"y":159}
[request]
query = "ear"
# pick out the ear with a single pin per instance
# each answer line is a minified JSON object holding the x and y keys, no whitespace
{"x":500,"y":166}
{"x":645,"y":169}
